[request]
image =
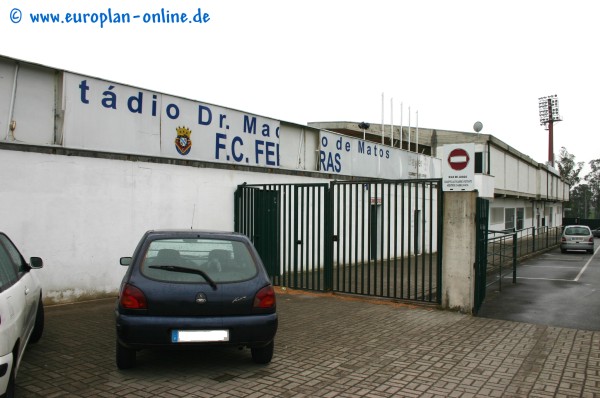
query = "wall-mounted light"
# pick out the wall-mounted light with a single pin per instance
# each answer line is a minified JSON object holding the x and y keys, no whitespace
{"x":364,"y":127}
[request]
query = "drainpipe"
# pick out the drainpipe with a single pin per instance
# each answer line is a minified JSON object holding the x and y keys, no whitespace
{"x":11,"y":108}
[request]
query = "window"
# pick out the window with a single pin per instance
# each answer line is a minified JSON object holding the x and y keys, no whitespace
{"x":12,"y":252}
{"x":509,"y":218}
{"x":520,"y":218}
{"x":497,"y":215}
{"x":186,"y":260}
{"x":478,"y":162}
{"x":8,"y":270}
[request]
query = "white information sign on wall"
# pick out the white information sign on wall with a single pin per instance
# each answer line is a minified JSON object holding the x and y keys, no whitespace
{"x":458,"y":167}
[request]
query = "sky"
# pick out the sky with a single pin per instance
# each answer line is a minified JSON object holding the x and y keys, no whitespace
{"x":454,"y":62}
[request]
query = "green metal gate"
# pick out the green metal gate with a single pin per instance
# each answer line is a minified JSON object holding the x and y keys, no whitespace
{"x":286,"y":223}
{"x":374,"y":238}
{"x":481,"y":256}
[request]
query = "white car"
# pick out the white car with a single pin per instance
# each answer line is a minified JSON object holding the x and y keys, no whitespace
{"x":21,"y":311}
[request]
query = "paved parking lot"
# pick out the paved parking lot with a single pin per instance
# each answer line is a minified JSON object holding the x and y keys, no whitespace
{"x":551,"y":289}
{"x":327,"y":346}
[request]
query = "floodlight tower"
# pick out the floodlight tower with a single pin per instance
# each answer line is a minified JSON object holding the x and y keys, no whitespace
{"x":549,"y":115}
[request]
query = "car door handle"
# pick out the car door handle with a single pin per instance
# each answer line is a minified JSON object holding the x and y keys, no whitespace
{"x":26,"y":290}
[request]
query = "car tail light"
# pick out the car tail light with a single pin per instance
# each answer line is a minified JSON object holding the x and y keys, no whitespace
{"x":591,"y":239}
{"x":132,"y":298}
{"x":563,"y":239}
{"x":265,"y":298}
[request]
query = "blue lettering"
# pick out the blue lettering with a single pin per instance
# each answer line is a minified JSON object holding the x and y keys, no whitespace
{"x":172,"y":111}
{"x":266,"y":130}
{"x":200,"y":17}
{"x":137,"y":100}
{"x":237,"y":140}
{"x":324,"y":142}
{"x":249,"y":125}
{"x":330,"y":162}
{"x":270,"y":153}
{"x":219,"y":145}
{"x":258,"y":145}
{"x":361,"y":147}
{"x":201,"y":119}
{"x":322,"y":160}
{"x":153,"y":104}
{"x":84,"y":88}
{"x":110,"y":100}
{"x":221,"y":118}
{"x":338,"y":163}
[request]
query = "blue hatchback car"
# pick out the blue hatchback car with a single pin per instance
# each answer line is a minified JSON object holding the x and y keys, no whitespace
{"x":188,"y":288}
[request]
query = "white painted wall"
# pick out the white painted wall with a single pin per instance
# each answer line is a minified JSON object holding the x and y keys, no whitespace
{"x":82,"y":214}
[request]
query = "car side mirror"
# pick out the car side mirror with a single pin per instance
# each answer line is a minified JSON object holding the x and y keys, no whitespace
{"x":36,"y":262}
{"x":126,"y":261}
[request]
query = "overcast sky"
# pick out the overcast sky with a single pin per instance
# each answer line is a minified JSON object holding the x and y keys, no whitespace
{"x":455,"y":62}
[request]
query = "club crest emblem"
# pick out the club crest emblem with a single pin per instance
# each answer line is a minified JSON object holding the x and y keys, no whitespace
{"x":183,"y":143}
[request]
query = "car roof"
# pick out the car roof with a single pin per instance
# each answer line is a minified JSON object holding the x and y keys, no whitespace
{"x":198,"y":233}
{"x":577,"y":227}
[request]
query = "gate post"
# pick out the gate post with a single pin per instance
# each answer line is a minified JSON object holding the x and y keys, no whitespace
{"x":328,"y":239}
{"x":459,"y":251}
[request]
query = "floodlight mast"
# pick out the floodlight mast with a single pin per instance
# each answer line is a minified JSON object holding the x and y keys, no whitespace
{"x":549,"y":114}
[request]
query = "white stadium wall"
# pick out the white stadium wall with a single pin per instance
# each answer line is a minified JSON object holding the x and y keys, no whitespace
{"x":81,"y":214}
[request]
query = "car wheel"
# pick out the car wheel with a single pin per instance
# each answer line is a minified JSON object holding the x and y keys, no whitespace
{"x":125,"y":357}
{"x":563,"y":251}
{"x":38,"y":327}
{"x":590,"y":251}
{"x":264,"y":354}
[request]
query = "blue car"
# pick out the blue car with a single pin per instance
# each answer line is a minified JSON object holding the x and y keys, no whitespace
{"x":188,"y":288}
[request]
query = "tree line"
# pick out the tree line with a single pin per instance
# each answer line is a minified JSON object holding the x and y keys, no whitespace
{"x":584,"y":201}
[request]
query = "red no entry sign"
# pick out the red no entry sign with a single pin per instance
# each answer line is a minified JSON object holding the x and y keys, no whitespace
{"x":458,"y":159}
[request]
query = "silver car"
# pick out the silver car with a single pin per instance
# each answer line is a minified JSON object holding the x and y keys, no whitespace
{"x":577,"y":237}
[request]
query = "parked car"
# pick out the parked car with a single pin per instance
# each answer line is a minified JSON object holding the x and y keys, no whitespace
{"x":596,"y":232}
{"x":577,"y":237}
{"x":21,"y":310}
{"x":189,"y":288}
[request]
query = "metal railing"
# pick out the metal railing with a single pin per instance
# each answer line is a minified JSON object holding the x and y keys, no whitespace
{"x":507,"y":247}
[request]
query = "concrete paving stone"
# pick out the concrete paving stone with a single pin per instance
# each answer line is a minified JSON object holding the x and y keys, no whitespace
{"x":354,"y":348}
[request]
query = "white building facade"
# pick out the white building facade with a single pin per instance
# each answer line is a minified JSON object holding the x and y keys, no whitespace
{"x":88,"y":165}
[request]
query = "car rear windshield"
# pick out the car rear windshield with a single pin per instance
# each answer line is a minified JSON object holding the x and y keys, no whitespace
{"x":577,"y":231}
{"x":184,"y":260}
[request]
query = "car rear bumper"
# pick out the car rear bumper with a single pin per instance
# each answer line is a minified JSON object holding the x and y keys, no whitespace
{"x":577,"y":246}
{"x":139,"y":331}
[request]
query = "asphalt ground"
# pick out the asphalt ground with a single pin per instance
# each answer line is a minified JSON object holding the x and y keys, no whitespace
{"x":327,"y":346}
{"x":553,"y":288}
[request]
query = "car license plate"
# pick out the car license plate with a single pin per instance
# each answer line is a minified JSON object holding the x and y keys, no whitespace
{"x":199,"y":336}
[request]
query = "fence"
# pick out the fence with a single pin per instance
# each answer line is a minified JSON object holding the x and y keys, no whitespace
{"x":506,"y":248}
{"x":375,"y":238}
